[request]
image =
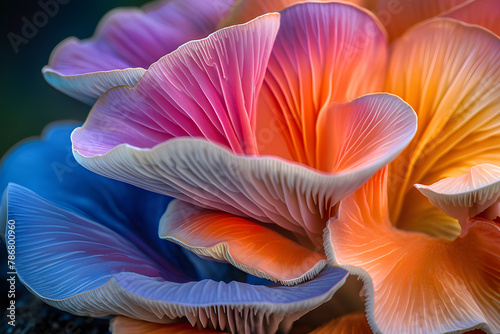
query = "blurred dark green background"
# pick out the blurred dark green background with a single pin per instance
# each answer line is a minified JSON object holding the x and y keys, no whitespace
{"x":27,"y":102}
{"x":27,"y":105}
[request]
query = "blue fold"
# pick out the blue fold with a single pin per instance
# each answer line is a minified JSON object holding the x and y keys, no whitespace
{"x":89,"y":245}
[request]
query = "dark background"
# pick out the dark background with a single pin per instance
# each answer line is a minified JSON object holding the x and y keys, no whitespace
{"x":27,"y":102}
{"x":27,"y":105}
